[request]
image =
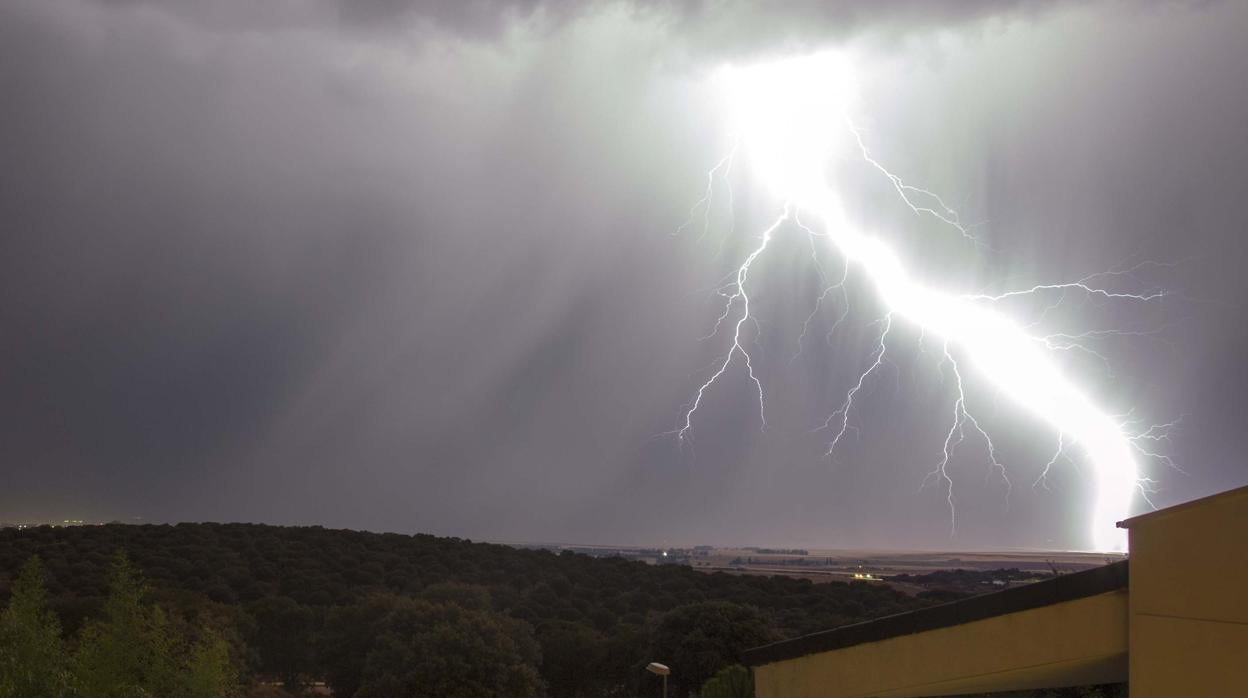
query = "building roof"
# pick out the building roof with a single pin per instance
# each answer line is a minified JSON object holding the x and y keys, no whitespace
{"x":1227,"y":495}
{"x":1069,"y":587}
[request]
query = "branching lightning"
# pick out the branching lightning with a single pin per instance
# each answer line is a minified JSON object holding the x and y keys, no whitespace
{"x":708,"y":197}
{"x":838,"y":287}
{"x":1043,"y":479}
{"x":942,"y":211}
{"x":842,"y":413}
{"x":738,"y":294}
{"x":784,"y":119}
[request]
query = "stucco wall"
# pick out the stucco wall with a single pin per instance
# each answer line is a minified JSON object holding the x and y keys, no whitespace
{"x":1076,"y":642}
{"x":1189,"y":599}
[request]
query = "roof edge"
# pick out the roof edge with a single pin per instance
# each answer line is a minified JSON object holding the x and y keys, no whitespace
{"x":1184,"y":506}
{"x":1070,"y":587}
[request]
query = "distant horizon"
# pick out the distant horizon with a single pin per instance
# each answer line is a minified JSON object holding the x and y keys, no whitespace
{"x":814,"y":550}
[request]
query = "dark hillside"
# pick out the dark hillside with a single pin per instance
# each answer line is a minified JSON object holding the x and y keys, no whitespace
{"x":309,"y":603}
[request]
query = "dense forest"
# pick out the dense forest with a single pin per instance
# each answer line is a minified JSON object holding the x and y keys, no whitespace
{"x":295,"y":610}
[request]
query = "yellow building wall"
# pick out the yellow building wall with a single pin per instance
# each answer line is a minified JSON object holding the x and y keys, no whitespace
{"x":1076,"y":642}
{"x":1189,"y":599}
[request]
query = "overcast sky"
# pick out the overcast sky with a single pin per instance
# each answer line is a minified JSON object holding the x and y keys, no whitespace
{"x":411,"y":266}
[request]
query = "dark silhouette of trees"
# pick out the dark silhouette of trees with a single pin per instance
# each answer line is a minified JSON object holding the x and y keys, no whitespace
{"x":348,"y":638}
{"x":436,"y":650}
{"x":283,"y":635}
{"x":702,"y":638}
{"x":381,"y":614}
{"x":574,"y":657}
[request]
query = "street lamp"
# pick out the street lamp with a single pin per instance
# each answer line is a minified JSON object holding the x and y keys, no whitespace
{"x":661,"y":670}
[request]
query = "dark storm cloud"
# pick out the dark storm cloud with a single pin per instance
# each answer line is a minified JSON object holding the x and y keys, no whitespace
{"x":409,"y":265}
{"x":716,"y":25}
{"x":781,"y":20}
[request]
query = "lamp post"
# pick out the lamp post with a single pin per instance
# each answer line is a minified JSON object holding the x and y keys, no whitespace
{"x":661,"y":670}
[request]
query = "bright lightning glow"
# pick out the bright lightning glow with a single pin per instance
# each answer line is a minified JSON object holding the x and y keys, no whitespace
{"x":791,"y":120}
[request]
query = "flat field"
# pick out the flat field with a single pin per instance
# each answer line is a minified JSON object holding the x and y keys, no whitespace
{"x":882,"y":565}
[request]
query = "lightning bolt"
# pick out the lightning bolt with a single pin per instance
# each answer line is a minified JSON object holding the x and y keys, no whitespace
{"x":739,"y":293}
{"x":942,"y":211}
{"x":1043,"y":479}
{"x":783,"y":117}
{"x":843,"y":412}
{"x":708,"y":197}
{"x":839,"y":287}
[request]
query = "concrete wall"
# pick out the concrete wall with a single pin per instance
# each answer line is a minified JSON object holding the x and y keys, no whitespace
{"x":1072,"y":643}
{"x":1189,"y":599}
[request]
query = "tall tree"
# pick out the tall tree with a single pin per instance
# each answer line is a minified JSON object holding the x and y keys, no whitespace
{"x":32,"y":656}
{"x":130,"y":651}
{"x":735,"y":681}
{"x":209,"y":671}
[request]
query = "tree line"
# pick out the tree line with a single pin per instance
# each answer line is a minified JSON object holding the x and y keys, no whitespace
{"x":269,"y":610}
